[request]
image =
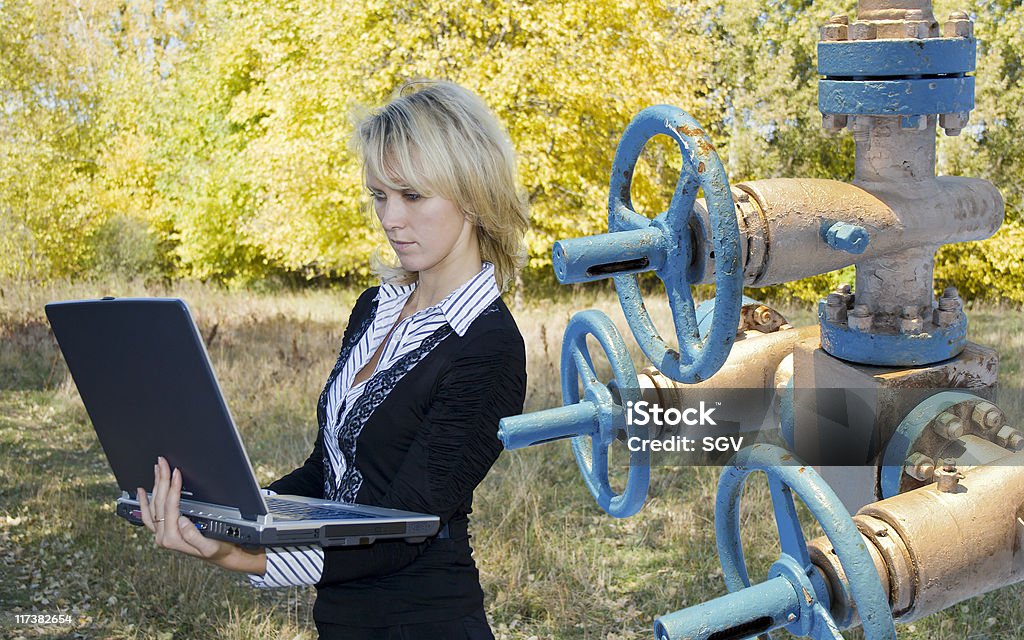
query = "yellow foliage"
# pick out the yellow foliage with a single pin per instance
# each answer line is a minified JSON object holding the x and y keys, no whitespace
{"x":223,"y":125}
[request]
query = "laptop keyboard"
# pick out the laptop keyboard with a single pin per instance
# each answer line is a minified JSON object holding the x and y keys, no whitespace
{"x":286,"y":509}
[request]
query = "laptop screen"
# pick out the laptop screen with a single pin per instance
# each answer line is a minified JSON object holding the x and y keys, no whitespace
{"x":145,"y":379}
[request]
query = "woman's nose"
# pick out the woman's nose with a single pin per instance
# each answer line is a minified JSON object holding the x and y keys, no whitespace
{"x":392,"y":214}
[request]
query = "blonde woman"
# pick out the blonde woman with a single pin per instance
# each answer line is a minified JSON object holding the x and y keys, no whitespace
{"x":431,"y":360}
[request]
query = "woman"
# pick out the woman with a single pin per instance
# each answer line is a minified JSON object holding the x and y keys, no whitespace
{"x":431,"y":360}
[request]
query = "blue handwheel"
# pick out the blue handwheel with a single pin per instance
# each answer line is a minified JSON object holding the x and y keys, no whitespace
{"x":594,"y":420}
{"x":795,"y":595}
{"x":665,"y":245}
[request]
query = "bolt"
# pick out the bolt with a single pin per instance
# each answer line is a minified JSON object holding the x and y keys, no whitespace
{"x":917,"y":123}
{"x":942,"y":318}
{"x":953,"y":123}
{"x":916,"y":29}
{"x":863,"y":31}
{"x":844,"y":289}
{"x":950,"y":292}
{"x":949,"y":304}
{"x":833,"y":123}
{"x":910,"y":321}
{"x":1016,"y":442}
{"x":860,"y":318}
{"x":1010,"y":438}
{"x":987,"y":416}
{"x":851,"y":238}
{"x":835,"y":308}
{"x":833,"y":32}
{"x":791,"y":617}
{"x":861,"y":127}
{"x":948,"y":477}
{"x":762,"y":315}
{"x":958,"y":25}
{"x":948,"y":425}
{"x":920,"y":467}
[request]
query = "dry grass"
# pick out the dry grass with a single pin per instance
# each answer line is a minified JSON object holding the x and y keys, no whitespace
{"x":552,"y":564}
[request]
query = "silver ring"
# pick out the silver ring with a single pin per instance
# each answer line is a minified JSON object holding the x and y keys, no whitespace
{"x":160,"y":520}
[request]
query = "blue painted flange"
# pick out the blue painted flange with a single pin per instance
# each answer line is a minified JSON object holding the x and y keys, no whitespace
{"x":896,"y":57}
{"x":593,"y":421}
{"x":903,"y":441}
{"x":809,"y":616}
{"x":896,"y":97}
{"x":896,"y":77}
{"x":892,"y":350}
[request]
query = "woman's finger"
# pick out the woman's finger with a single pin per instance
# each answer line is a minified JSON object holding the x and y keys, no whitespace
{"x":172,"y":502}
{"x":160,"y":497}
{"x":172,"y":537}
{"x":147,"y":517}
{"x":156,"y":478}
{"x":204,"y":546}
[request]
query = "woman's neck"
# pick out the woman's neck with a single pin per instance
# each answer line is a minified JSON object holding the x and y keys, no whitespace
{"x":432,"y":286}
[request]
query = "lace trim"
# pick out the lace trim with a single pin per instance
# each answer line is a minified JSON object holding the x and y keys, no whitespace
{"x":321,"y":405}
{"x":376,"y":390}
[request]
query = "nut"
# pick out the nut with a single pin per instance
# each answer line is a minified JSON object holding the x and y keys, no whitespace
{"x":860,"y":318}
{"x":832,"y":32}
{"x":832,"y":122}
{"x":863,"y":31}
{"x":835,"y":308}
{"x":948,"y":425}
{"x":920,"y":467}
{"x":948,"y":478}
{"x":917,"y":29}
{"x":942,"y":318}
{"x":762,"y":315}
{"x":861,"y":127}
{"x":987,"y":416}
{"x":1016,"y":442}
{"x":1010,"y":438}
{"x":958,"y":25}
{"x":910,"y":321}
{"x":953,"y":124}
{"x":918,"y":123}
{"x":949,"y":303}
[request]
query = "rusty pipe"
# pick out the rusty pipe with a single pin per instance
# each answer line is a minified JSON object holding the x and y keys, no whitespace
{"x":934,"y":549}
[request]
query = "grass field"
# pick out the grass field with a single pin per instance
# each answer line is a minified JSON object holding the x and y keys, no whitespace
{"x":552,"y":564}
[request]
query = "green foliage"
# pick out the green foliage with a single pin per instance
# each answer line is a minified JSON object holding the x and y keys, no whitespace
{"x":222,"y":126}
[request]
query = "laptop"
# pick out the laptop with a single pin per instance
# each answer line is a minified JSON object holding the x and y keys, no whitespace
{"x":145,"y":378}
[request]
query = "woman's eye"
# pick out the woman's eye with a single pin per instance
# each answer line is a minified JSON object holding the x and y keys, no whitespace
{"x":377,"y":195}
{"x":411,"y":196}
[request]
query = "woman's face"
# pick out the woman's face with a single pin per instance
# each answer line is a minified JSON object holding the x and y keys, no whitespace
{"x":426,"y":232}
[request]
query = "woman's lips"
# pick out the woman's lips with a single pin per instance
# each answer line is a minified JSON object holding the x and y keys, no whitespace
{"x":401,"y":245}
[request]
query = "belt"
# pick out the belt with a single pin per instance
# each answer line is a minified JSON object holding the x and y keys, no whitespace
{"x":454,"y":529}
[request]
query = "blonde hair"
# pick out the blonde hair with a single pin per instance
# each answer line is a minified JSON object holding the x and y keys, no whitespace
{"x":438,"y":138}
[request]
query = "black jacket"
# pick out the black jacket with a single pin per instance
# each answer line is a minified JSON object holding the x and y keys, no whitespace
{"x":424,"y":448}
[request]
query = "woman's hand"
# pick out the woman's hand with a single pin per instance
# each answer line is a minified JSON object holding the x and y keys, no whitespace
{"x":175,"y":531}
